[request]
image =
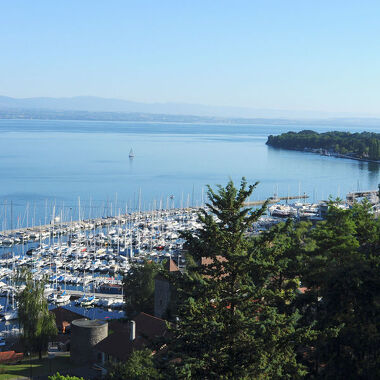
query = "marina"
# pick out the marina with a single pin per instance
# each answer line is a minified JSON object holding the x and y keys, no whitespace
{"x":85,"y":260}
{"x":81,"y":213}
{"x":88,"y":258}
{"x":189,"y":190}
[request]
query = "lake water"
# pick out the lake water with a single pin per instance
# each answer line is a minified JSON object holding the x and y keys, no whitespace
{"x":47,"y":166}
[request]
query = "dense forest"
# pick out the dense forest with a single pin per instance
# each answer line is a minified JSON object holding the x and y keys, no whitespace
{"x":364,"y":145}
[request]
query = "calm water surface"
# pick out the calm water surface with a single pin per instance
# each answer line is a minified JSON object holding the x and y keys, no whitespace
{"x":46,"y":166}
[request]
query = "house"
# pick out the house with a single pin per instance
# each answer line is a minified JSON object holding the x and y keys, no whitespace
{"x":63,"y":318}
{"x":126,"y":338}
{"x":10,"y":357}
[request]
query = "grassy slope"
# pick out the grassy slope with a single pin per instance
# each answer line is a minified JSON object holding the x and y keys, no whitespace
{"x":39,"y":367}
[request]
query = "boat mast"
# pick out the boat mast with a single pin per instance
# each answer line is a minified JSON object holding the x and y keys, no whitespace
{"x":11,"y":215}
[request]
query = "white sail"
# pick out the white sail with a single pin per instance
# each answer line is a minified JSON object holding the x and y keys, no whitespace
{"x":131,"y":154}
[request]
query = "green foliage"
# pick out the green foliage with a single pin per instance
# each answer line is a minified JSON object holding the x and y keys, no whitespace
{"x":282,"y":249}
{"x":242,"y":314}
{"x":138,"y":286}
{"x":342,"y":275}
{"x":361,"y":145}
{"x":235,"y":320}
{"x":139,"y":366}
{"x":38,"y":324}
{"x":57,"y":376}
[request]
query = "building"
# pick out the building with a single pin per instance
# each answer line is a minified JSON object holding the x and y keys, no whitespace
{"x":7,"y":357}
{"x":85,"y":335}
{"x":63,"y":318}
{"x":165,"y":293}
{"x":129,"y":337}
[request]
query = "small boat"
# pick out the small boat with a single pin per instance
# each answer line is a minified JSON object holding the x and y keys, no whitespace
{"x":282,"y":211}
{"x":48,"y":290}
{"x":62,"y":298}
{"x":131,"y":154}
{"x":10,"y":315}
{"x":88,"y":301}
{"x":106,"y":302}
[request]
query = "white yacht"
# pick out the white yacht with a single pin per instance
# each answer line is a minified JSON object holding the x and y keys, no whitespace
{"x":62,"y":298}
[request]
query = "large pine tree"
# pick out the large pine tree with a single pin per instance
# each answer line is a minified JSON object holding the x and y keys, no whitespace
{"x":232,"y":320}
{"x":342,"y":275}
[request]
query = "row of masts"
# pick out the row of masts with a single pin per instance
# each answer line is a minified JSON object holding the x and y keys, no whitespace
{"x":65,"y":215}
{"x":91,"y":253}
{"x":88,"y":210}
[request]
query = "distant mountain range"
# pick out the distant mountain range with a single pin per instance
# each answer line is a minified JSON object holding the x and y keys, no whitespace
{"x":97,"y":104}
{"x":97,"y":108}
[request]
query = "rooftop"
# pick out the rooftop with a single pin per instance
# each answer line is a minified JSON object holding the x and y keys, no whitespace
{"x":88,"y":323}
{"x":119,"y":345}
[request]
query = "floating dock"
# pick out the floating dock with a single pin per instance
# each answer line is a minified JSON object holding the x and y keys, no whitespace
{"x":275,"y":199}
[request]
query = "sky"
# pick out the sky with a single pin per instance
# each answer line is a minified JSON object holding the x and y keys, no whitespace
{"x":285,"y":54}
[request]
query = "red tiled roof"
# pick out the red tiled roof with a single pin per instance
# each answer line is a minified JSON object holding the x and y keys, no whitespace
{"x":171,"y":266}
{"x":10,"y":356}
{"x":5,"y":356}
{"x":149,"y":326}
{"x":18,"y":356}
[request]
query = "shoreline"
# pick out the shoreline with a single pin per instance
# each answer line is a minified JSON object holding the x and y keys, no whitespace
{"x":317,"y":151}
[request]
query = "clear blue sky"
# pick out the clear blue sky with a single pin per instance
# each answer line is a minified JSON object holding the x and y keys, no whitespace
{"x":284,"y":54}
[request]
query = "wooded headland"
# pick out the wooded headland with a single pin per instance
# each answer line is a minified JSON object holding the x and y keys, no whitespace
{"x":361,"y":146}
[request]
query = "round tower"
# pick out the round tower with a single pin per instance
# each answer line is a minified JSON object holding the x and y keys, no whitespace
{"x":85,"y":334}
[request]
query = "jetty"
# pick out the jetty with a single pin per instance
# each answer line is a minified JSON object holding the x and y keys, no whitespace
{"x":79,"y":293}
{"x":276,"y":199}
{"x":66,"y":227}
{"x":373,"y":196}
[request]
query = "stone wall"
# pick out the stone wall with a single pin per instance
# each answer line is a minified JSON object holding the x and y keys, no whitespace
{"x":161,"y":297}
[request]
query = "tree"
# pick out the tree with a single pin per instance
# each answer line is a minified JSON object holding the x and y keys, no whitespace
{"x":342,"y":275}
{"x":232,"y":321}
{"x":38,"y":324}
{"x":138,"y":286}
{"x":283,"y":248}
{"x":57,"y":376}
{"x":139,"y":366}
{"x":362,"y":144}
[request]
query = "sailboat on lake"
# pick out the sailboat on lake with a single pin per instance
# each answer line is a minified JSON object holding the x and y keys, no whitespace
{"x":131,"y":154}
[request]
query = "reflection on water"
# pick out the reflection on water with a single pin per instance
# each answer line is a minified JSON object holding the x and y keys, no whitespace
{"x":373,"y":168}
{"x":131,"y":164}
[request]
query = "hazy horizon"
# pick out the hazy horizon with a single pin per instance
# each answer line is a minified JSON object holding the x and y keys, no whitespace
{"x":113,"y":105}
{"x":301,"y":57}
